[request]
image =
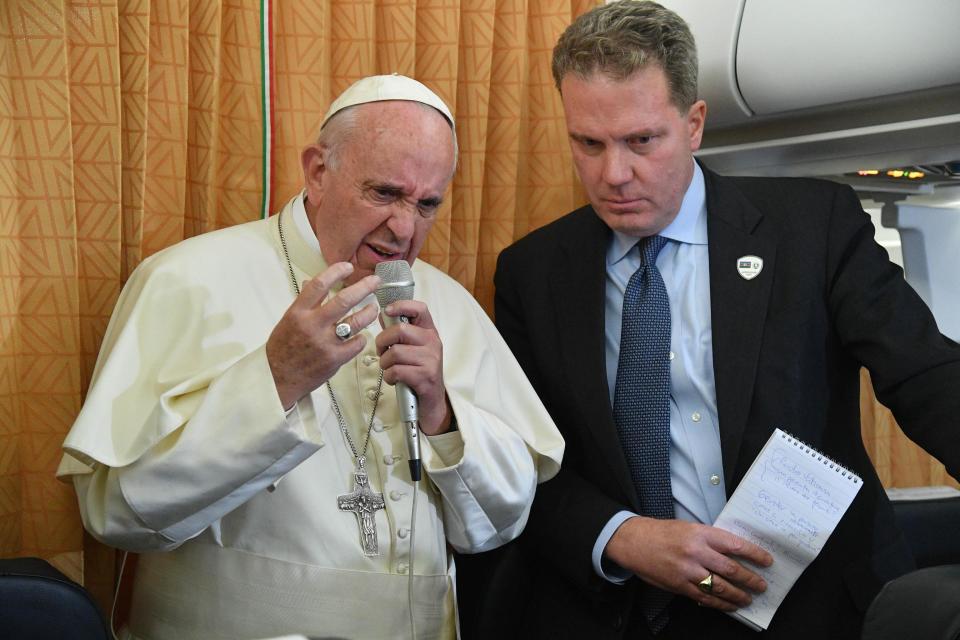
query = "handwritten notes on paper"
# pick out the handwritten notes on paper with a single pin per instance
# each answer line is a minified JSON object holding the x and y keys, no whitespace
{"x":789,"y":503}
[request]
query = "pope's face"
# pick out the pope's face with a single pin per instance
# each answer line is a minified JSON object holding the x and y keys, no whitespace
{"x":632,"y":148}
{"x":380,"y":197}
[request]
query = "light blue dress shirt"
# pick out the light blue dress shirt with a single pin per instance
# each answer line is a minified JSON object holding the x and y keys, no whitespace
{"x":696,"y":466}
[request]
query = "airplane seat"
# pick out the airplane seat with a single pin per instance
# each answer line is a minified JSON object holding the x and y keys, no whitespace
{"x":38,"y":602}
{"x":921,"y":605}
{"x":930,"y":526}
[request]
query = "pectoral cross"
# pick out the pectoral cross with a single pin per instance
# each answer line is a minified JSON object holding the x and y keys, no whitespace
{"x":363,"y":503}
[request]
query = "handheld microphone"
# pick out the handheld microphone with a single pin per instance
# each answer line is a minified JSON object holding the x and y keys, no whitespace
{"x":396,"y":283}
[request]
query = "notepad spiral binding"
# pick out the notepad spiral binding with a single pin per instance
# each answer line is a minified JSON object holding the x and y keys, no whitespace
{"x":819,"y":456}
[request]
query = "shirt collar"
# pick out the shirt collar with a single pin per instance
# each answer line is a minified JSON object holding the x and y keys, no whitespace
{"x":690,"y":225}
{"x":303,"y":223}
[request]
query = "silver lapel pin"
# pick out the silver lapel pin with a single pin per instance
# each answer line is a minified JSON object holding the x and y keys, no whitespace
{"x":749,"y":267}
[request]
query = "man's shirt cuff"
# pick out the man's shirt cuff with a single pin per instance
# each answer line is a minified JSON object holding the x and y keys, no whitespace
{"x":605,"y":568}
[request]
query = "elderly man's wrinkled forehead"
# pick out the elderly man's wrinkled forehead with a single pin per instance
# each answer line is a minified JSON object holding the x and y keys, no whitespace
{"x":398,"y":117}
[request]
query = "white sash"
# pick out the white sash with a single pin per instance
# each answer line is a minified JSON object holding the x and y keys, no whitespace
{"x":204,"y":591}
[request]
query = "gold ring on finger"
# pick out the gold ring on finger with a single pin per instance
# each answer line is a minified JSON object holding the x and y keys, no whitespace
{"x":706,"y":585}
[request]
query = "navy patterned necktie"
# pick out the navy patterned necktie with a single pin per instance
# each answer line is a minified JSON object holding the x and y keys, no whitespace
{"x":641,"y":400}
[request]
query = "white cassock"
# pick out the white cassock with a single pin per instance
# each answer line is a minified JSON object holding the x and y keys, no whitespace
{"x":182,"y":452}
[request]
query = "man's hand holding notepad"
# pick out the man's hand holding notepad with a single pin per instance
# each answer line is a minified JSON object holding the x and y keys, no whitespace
{"x":789,"y":503}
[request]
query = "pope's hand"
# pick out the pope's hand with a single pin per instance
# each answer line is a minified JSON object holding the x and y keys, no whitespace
{"x":675,"y":555}
{"x":412,"y":353}
{"x":303,"y":349}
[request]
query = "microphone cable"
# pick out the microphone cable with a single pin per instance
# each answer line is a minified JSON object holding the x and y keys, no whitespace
{"x":413,"y":532}
{"x":116,"y":596}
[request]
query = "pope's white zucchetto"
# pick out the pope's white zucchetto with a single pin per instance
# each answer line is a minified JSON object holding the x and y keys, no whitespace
{"x":389,"y":87}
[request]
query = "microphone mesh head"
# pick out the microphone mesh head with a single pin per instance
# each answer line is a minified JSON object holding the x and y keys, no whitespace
{"x":396,"y":282}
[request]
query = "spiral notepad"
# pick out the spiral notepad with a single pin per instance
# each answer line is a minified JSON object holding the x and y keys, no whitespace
{"x":789,"y":503}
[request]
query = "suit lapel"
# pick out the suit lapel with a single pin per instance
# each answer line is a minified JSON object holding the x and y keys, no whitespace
{"x":738,"y":307}
{"x":578,"y":292}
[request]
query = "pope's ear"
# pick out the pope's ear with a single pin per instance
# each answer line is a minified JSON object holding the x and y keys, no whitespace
{"x":313,"y":161}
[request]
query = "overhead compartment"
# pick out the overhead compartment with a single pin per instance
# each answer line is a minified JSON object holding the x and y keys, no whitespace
{"x":715,"y":30}
{"x":800,"y":54}
{"x":815,"y":87}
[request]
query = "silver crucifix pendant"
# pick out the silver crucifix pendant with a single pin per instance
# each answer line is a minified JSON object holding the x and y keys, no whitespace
{"x":363,"y":503}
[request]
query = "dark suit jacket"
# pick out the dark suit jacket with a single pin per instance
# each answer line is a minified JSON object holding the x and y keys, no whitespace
{"x":788,"y":346}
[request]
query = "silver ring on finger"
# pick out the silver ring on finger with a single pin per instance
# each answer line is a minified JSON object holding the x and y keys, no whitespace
{"x":343,"y":330}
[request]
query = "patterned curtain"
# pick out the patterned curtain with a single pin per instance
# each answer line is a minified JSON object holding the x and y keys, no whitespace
{"x":127,"y":125}
{"x":898,"y":461}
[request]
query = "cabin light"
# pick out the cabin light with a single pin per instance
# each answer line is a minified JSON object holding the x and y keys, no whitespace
{"x":916,"y":175}
{"x":868,"y":172}
{"x":896,"y":173}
